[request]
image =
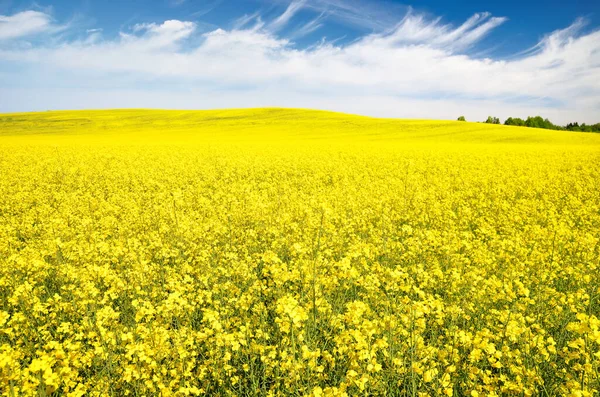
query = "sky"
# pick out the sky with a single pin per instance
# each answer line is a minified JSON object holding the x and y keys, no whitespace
{"x":430,"y":59}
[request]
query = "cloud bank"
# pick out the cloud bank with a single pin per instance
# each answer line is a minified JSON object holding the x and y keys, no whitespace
{"x":421,"y":67}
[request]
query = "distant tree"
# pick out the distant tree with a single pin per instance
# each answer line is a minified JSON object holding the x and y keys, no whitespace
{"x":539,"y":122}
{"x":534,"y":122}
{"x":514,"y":121}
{"x":492,"y":120}
{"x":573,"y":126}
{"x":462,"y":118}
{"x":589,"y":128}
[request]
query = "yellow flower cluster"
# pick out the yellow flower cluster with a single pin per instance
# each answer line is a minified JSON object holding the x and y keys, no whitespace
{"x":282,"y":252}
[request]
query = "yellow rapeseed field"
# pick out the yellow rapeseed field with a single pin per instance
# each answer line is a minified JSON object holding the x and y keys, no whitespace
{"x":283,"y":252}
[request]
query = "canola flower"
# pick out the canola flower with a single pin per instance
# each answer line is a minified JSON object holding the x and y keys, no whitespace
{"x":284,"y":252}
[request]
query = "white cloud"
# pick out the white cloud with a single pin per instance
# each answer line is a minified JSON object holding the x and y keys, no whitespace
{"x":419,"y":68}
{"x":23,"y":24}
{"x":155,"y":37}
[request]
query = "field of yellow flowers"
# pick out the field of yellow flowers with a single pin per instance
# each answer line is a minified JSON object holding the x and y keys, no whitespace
{"x":282,"y":252}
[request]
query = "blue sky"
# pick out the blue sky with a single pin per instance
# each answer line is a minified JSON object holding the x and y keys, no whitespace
{"x":432,"y":59}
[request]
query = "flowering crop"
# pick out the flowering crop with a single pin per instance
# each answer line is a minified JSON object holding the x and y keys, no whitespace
{"x":287,"y":252}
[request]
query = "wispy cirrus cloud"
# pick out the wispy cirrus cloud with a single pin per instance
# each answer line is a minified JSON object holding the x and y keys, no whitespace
{"x":247,"y":19}
{"x":310,"y":26}
{"x":288,"y":14}
{"x":373,"y":16}
{"x":419,"y":60}
{"x":417,"y":30}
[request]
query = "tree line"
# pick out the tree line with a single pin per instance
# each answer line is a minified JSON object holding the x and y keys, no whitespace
{"x":539,"y":122}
